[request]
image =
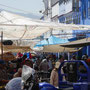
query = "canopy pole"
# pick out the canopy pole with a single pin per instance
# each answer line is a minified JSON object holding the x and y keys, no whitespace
{"x":2,"y":45}
{"x":68,"y":56}
{"x":87,"y":50}
{"x":58,"y":55}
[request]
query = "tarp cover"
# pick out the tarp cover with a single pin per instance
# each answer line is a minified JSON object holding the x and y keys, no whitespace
{"x":58,"y":48}
{"x":53,"y":44}
{"x":19,"y":27}
{"x":55,"y":40}
{"x":14,"y":48}
{"x":78,"y":43}
{"x":52,"y":40}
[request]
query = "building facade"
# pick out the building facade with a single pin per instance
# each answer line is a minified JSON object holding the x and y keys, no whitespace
{"x":76,"y":12}
{"x":70,"y":12}
{"x":51,"y":13}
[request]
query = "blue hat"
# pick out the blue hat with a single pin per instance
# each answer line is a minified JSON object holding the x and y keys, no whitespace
{"x":2,"y":62}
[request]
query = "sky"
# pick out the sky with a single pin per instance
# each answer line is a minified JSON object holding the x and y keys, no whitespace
{"x":30,"y":6}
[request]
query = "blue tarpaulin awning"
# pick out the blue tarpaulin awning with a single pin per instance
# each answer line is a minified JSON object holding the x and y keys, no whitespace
{"x":52,"y":40}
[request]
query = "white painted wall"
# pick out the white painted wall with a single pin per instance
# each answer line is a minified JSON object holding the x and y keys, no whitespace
{"x":65,"y":8}
{"x":47,"y":35}
{"x":55,"y":10}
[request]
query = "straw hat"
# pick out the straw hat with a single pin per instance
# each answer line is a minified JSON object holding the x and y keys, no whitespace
{"x":57,"y":64}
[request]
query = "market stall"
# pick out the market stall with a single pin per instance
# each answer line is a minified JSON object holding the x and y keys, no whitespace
{"x":19,"y":27}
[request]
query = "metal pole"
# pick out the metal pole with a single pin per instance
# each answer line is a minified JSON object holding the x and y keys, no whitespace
{"x":2,"y":45}
{"x":49,"y":10}
{"x":68,"y":56}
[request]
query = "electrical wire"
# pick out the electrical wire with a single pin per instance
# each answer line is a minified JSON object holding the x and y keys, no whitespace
{"x":15,"y":8}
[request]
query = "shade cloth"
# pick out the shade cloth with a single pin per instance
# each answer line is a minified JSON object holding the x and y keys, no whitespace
{"x":41,"y":43}
{"x":19,"y":27}
{"x":53,"y":44}
{"x":58,"y":48}
{"x":9,"y":49}
{"x":15,"y":48}
{"x":55,"y":40}
{"x":77,"y":43}
{"x":52,"y":40}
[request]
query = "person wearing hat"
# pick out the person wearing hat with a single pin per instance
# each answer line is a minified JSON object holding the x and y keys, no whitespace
{"x":54,"y":75}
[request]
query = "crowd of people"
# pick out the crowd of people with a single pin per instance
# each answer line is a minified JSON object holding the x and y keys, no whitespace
{"x":48,"y":64}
